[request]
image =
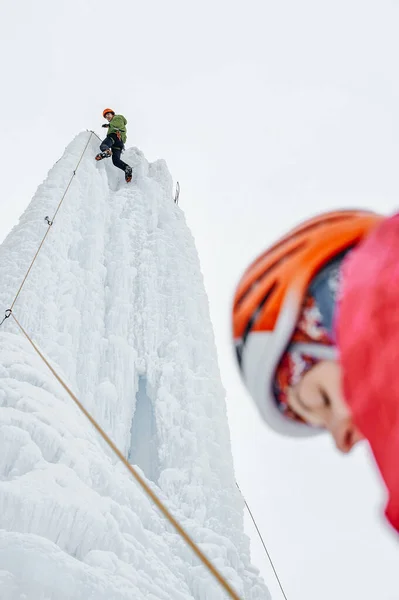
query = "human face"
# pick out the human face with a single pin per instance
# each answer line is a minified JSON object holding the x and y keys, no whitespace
{"x":318,"y":399}
{"x":108,"y":116}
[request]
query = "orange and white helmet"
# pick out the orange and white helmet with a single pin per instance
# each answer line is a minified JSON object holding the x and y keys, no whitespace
{"x":108,"y":110}
{"x":270,"y":296}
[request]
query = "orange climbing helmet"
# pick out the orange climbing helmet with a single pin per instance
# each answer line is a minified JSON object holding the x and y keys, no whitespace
{"x":108,"y":110}
{"x":271,"y":293}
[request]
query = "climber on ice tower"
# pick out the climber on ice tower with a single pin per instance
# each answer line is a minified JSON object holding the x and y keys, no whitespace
{"x":316,"y":332}
{"x":114,"y":143}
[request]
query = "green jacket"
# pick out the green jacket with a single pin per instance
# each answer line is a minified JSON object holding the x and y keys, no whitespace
{"x":118,"y":123}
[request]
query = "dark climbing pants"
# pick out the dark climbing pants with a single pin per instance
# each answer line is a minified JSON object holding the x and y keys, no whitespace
{"x":112,"y":141}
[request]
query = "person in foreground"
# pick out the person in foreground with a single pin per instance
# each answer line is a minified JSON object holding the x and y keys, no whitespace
{"x":316,"y":331}
{"x":114,"y":143}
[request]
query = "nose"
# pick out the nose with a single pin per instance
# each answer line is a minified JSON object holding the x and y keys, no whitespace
{"x":346,"y":435}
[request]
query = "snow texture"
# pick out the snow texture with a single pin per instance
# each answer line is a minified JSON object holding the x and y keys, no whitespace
{"x":116,"y":302}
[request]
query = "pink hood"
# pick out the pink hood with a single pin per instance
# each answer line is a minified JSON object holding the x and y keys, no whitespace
{"x":368,"y":340}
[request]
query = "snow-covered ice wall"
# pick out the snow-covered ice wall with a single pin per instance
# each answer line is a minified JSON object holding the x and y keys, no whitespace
{"x":116,"y":301}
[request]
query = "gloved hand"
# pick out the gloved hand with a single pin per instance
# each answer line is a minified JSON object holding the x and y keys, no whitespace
{"x":105,"y":125}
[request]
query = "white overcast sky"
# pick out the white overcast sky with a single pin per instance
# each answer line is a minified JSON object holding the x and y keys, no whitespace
{"x":266,"y":111}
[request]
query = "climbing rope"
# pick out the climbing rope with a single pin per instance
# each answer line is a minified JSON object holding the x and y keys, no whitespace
{"x":168,"y":515}
{"x":263,"y":543}
{"x":94,"y":133}
{"x":49,"y":222}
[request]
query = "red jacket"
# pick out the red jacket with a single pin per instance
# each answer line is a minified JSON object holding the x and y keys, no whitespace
{"x":367,"y":329}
